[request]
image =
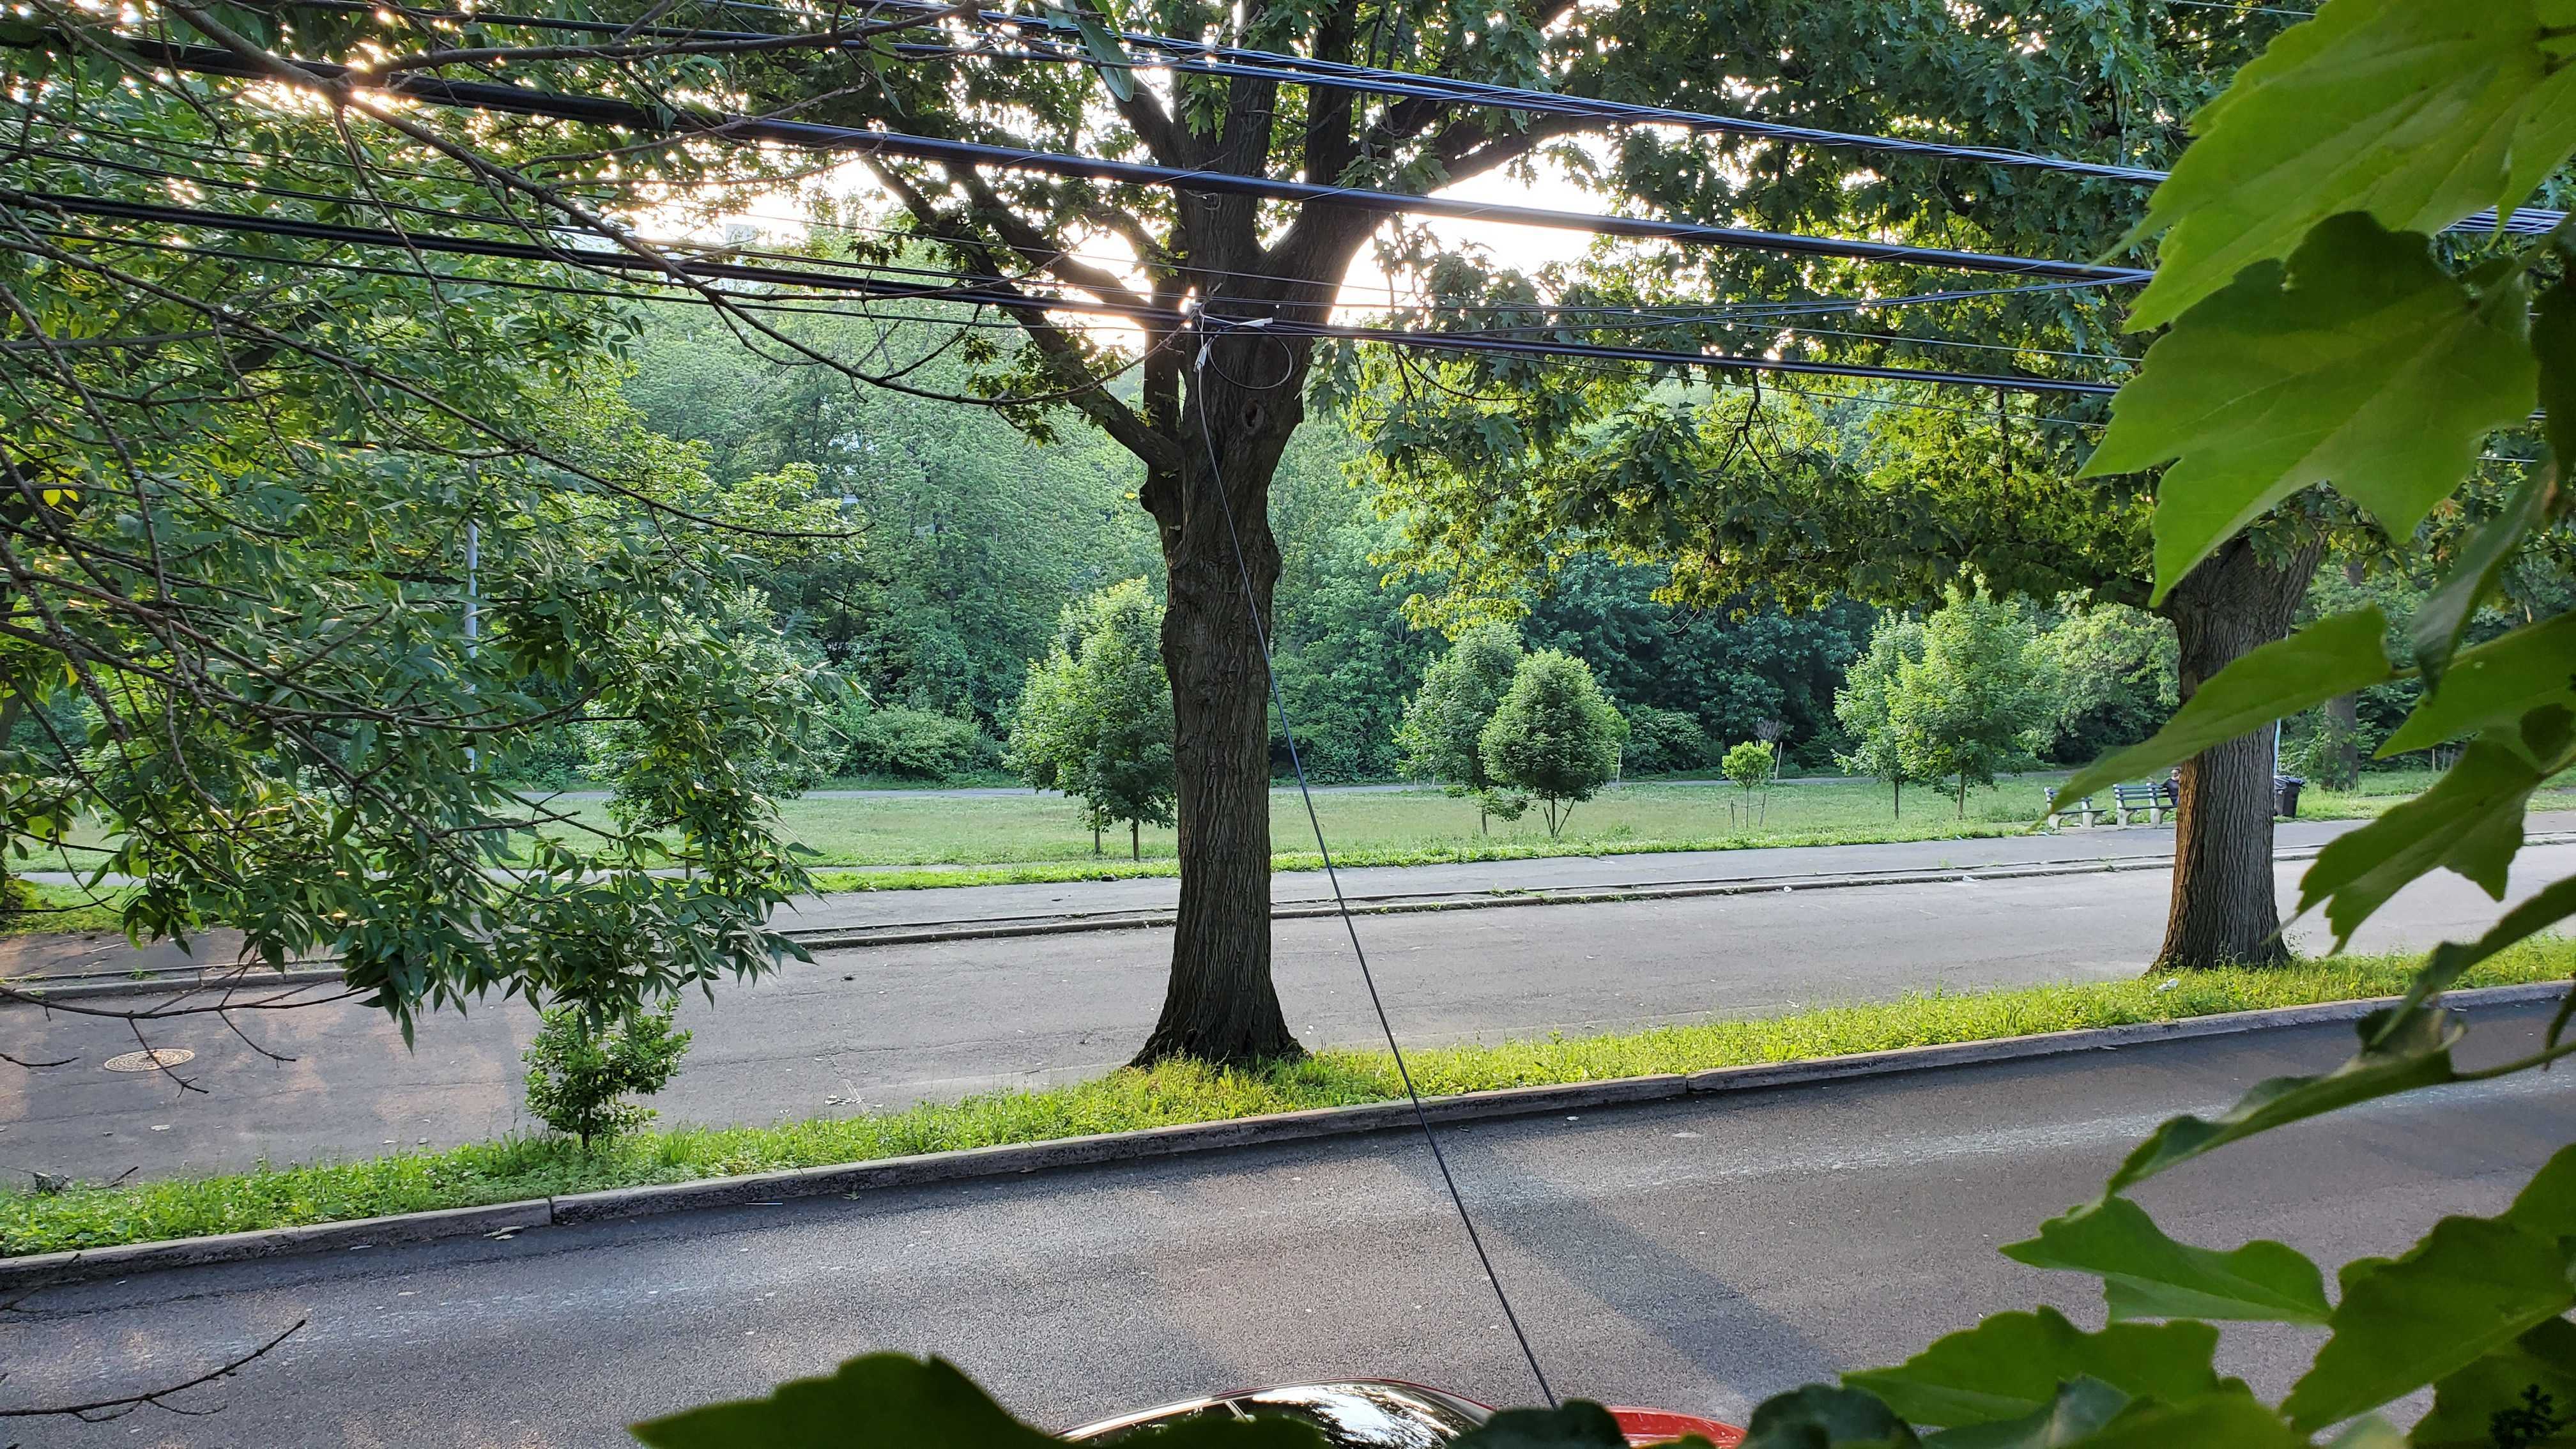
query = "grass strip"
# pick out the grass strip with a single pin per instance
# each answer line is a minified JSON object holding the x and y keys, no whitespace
{"x":1056,"y":872}
{"x":1173,"y":1094}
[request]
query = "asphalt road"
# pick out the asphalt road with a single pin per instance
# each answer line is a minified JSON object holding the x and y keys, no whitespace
{"x":1696,"y":1255}
{"x":888,"y":1025}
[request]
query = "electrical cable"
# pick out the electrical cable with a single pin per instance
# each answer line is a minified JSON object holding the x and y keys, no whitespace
{"x":1022,"y":302}
{"x":1223,"y":60}
{"x":1341,"y":906}
{"x":1710,"y":311}
{"x":1582,"y":315}
{"x":484,"y":96}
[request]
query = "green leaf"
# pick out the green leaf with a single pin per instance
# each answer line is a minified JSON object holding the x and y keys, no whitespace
{"x":2013,"y":1365}
{"x":2229,"y":1419}
{"x":2417,"y":114}
{"x":2471,"y":1287}
{"x":2072,"y":1415}
{"x":1822,"y":1417}
{"x":2470,"y":822}
{"x":883,"y":1398}
{"x":2370,"y":1433}
{"x":2148,"y":1275}
{"x":2371,"y":369}
{"x":2401,"y":1051}
{"x":2451,"y":959}
{"x":2496,"y":683}
{"x":2467,"y":1404}
{"x":2442,"y":617}
{"x":2330,"y":657}
{"x":2553,"y":343}
{"x":1116,"y":67}
{"x":1575,"y":1424}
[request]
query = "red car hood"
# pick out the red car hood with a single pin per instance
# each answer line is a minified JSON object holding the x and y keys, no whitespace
{"x":1656,"y":1426}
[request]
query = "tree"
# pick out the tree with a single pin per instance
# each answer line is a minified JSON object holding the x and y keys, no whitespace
{"x":1444,"y":724}
{"x":305,"y":558}
{"x":2473,"y":1316}
{"x":1884,"y":493}
{"x":1095,"y":719}
{"x":2117,"y":674}
{"x":1866,"y":705}
{"x":1554,"y":737}
{"x":977,"y":537}
{"x":1977,"y":699}
{"x":1748,"y":765}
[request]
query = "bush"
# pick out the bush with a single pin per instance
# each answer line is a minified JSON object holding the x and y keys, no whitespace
{"x":550,"y":759}
{"x":581,"y":1070}
{"x":913,"y":744}
{"x":1662,"y":742}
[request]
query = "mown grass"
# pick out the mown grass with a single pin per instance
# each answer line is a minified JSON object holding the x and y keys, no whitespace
{"x":63,"y":910}
{"x":907,"y":841}
{"x":524,"y":1167}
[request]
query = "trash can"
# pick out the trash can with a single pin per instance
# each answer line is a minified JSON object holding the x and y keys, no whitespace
{"x":2285,"y":796}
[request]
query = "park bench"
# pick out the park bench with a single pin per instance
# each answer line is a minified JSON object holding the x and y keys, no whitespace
{"x":2084,"y":811}
{"x":2150,"y":799}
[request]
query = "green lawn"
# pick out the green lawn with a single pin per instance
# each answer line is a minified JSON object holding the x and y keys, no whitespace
{"x":63,"y":910}
{"x":519,"y":1168}
{"x":1392,"y":828}
{"x":982,"y":840}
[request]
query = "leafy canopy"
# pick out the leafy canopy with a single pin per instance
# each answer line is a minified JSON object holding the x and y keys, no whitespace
{"x":2477,"y":1311}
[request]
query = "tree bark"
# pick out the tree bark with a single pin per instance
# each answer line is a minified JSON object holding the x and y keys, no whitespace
{"x":1135,"y":840}
{"x":1221,"y":1004}
{"x":2225,"y":911}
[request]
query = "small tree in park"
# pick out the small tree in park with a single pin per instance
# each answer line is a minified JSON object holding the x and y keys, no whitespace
{"x":1977,"y":699}
{"x":1444,"y":727}
{"x":1864,"y":707}
{"x":1749,"y":765}
{"x":1555,"y":736}
{"x":1096,"y":718}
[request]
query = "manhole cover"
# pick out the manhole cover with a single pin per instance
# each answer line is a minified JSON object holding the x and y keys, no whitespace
{"x":150,"y":1061}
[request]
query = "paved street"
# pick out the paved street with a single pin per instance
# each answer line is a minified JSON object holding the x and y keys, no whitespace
{"x":881,"y":1026}
{"x":1696,"y":1254}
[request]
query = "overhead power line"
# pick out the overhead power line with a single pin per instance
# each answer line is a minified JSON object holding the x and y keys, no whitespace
{"x":489,"y":96}
{"x":974,"y":292}
{"x":1196,"y":57}
{"x":1393,"y":299}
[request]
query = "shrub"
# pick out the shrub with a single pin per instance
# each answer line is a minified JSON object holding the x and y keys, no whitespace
{"x":1661,"y":741}
{"x":913,"y":744}
{"x":581,"y":1070}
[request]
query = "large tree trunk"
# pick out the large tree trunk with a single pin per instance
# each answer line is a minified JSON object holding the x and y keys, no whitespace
{"x":2224,"y":909}
{"x":1221,"y":1005}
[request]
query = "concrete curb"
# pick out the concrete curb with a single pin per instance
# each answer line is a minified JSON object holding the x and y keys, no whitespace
{"x":919,"y":933}
{"x":44,"y":1270}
